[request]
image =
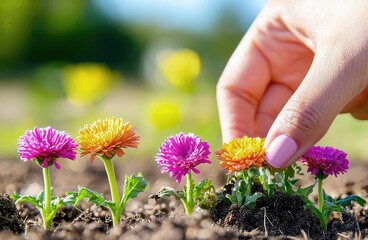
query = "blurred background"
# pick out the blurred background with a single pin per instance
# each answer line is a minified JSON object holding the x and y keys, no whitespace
{"x":153,"y":62}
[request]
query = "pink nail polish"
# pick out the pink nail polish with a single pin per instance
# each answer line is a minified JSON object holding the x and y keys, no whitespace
{"x":281,"y":149}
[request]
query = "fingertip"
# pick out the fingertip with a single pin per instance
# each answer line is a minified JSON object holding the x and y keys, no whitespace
{"x":281,"y":151}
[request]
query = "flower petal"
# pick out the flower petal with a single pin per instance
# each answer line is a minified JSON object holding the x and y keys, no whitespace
{"x":45,"y":144}
{"x":242,"y":153}
{"x":181,"y":153}
{"x":107,"y":137}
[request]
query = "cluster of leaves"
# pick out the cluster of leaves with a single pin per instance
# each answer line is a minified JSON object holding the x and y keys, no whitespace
{"x":40,"y":203}
{"x":243,"y":190}
{"x":331,"y":205}
{"x":203,"y":194}
{"x":327,"y":204}
{"x":133,"y":185}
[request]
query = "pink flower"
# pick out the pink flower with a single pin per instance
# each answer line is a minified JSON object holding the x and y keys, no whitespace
{"x":46,"y":145}
{"x":181,"y":153}
{"x":329,"y":160}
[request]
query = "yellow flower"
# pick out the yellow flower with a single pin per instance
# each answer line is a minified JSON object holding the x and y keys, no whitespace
{"x":106,"y":138}
{"x":180,"y":67}
{"x":242,"y":153}
{"x":87,"y":83}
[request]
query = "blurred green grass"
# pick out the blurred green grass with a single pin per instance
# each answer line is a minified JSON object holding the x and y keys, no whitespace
{"x":350,"y":135}
{"x":21,"y":108}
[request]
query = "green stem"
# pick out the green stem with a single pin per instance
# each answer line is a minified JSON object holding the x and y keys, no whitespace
{"x":320,"y":195}
{"x":47,"y":221}
{"x":113,"y":188}
{"x":189,"y":202}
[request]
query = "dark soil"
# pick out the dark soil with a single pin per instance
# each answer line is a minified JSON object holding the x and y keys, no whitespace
{"x":278,"y":217}
{"x":283,"y":215}
{"x":9,"y":216}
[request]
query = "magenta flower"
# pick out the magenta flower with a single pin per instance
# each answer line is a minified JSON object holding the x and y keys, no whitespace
{"x":181,"y":153}
{"x":45,"y":145}
{"x":329,"y":160}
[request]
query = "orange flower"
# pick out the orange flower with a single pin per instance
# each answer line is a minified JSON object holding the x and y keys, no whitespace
{"x":107,"y":137}
{"x":242,"y":153}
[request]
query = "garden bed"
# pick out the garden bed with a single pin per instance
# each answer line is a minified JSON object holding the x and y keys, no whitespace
{"x":165,"y":218}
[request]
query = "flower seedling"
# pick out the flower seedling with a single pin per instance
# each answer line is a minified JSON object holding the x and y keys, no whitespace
{"x":45,"y":146}
{"x":245,"y":157}
{"x":285,"y":180}
{"x":105,"y":139}
{"x":322,"y":162}
{"x":179,"y":156}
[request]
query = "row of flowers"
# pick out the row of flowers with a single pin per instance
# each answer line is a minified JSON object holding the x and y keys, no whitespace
{"x":179,"y":156}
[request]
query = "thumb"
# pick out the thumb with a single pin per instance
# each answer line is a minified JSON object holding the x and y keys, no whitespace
{"x":334,"y":78}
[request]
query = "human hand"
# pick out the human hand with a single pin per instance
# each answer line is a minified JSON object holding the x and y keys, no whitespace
{"x":300,"y":64}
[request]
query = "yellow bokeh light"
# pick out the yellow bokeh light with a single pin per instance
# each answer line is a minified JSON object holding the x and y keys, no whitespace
{"x":87,"y":83}
{"x":165,"y":114}
{"x":181,"y":67}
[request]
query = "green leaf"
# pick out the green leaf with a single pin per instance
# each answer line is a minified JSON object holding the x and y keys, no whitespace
{"x":262,"y":176}
{"x":232,"y":199}
{"x":327,"y":197}
{"x":346,"y":201}
{"x":298,"y":169}
{"x":265,"y":179}
{"x":241,"y":175}
{"x":15,"y":196}
{"x":204,"y":194}
{"x":41,"y":196}
{"x":76,"y":197}
{"x":289,"y":172}
{"x":239,"y":198}
{"x":239,"y":191}
{"x":133,"y":185}
{"x":317,"y":212}
{"x":168,"y":192}
{"x":330,"y":207}
{"x":250,"y":201}
{"x":110,"y":205}
{"x":202,"y":185}
{"x":56,"y":203}
{"x":70,"y":198}
{"x":293,"y":181}
{"x":28,"y":199}
{"x":94,"y":197}
{"x":279,"y":179}
{"x":305,"y":191}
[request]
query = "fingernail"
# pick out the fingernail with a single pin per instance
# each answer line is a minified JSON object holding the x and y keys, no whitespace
{"x":281,"y":149}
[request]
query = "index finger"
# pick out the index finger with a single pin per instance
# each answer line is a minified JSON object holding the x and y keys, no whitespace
{"x":240,"y":88}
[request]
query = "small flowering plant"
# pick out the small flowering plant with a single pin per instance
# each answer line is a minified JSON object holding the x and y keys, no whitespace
{"x":45,"y":146}
{"x":323,"y":162}
{"x":252,"y":177}
{"x":179,"y":156}
{"x":245,"y":158}
{"x":105,"y":139}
